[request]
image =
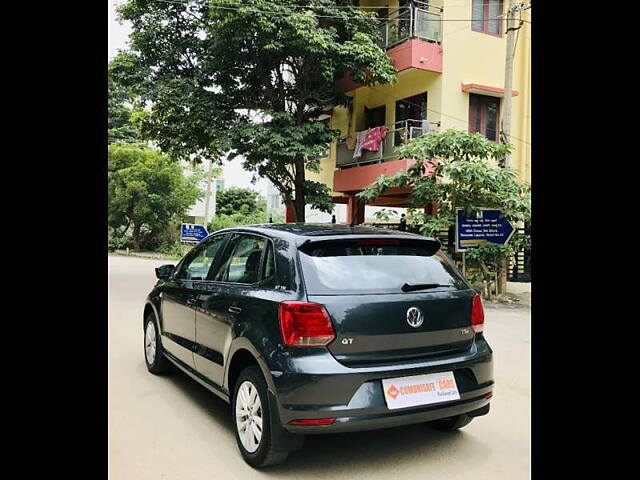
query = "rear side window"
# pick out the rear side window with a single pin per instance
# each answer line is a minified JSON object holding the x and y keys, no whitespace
{"x":243,"y":265}
{"x":361,"y":267}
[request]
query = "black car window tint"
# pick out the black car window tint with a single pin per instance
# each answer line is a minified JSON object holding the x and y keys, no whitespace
{"x":197,"y":267}
{"x":243,"y":264}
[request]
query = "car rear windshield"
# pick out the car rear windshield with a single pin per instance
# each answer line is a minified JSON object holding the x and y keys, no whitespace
{"x":375,"y":267}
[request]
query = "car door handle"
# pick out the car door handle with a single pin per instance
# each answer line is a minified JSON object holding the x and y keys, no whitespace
{"x":234,"y":309}
{"x":191,"y":302}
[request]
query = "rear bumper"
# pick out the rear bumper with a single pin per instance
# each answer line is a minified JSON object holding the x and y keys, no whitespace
{"x":317,"y":386}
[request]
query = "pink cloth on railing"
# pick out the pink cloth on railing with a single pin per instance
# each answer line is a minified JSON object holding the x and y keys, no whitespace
{"x":374,"y":137}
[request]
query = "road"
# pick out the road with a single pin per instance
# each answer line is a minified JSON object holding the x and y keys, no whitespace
{"x":169,"y":427}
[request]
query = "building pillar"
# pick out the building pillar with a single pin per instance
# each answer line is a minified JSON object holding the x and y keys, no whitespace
{"x":289,"y":213}
{"x":355,"y":210}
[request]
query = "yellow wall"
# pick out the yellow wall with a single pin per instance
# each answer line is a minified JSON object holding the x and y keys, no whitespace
{"x":475,"y":57}
{"x":468,"y":57}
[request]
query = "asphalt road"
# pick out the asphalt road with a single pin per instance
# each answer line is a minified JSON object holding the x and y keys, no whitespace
{"x":170,"y":427}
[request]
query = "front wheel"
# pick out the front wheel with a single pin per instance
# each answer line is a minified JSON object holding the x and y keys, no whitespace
{"x":252,"y":420}
{"x":154,"y":359}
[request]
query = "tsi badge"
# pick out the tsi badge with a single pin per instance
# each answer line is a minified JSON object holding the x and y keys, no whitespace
{"x":415,"y":317}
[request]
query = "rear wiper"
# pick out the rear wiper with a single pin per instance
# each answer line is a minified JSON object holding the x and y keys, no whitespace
{"x":422,"y":286}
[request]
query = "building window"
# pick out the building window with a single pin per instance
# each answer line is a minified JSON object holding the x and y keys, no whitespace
{"x":484,"y":115}
{"x":485,"y":18}
{"x":375,"y":117}
{"x":411,"y":114}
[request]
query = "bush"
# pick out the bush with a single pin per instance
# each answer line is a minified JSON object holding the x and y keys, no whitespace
{"x":119,"y":242}
{"x":225,"y":221}
{"x":154,"y":240}
{"x":176,"y":249}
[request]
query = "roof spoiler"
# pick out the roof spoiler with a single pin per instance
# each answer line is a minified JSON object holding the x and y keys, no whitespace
{"x":432,"y":245}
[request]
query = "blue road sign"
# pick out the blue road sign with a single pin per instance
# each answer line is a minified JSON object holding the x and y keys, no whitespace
{"x":192,"y":233}
{"x":487,"y":225}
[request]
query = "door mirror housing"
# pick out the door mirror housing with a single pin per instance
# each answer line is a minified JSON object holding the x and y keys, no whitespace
{"x":165,"y":271}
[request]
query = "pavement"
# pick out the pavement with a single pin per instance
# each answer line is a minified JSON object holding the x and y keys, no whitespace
{"x":170,"y":427}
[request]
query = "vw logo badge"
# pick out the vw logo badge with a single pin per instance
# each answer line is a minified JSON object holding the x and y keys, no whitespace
{"x":415,"y":317}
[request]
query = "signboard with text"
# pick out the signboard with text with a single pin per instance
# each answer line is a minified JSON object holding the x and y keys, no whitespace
{"x":190,"y":232}
{"x":487,"y":225}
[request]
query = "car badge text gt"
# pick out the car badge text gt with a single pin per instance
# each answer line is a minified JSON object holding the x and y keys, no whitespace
{"x":415,"y":317}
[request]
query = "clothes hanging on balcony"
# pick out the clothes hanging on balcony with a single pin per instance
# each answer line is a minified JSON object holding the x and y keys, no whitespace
{"x":374,"y":137}
{"x":359,"y":141}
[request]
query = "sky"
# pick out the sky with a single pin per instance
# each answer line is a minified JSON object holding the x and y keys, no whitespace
{"x":233,"y":173}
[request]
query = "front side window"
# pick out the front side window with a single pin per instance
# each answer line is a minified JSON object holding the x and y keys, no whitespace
{"x":484,"y":114}
{"x":197,"y":266}
{"x":484,"y":15}
{"x":243,"y":263}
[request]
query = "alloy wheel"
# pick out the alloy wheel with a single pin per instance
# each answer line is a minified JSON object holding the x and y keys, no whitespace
{"x":249,"y":416}
{"x":150,"y":342}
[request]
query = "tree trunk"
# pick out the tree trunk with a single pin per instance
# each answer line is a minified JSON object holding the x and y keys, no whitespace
{"x":502,"y":275}
{"x":299,"y":201}
{"x":135,"y":237}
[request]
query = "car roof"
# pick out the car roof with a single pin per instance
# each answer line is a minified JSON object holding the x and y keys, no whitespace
{"x":300,"y":232}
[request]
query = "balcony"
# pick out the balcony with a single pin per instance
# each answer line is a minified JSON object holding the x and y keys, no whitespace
{"x":411,"y":36}
{"x":356,"y":173}
{"x":398,"y":134}
{"x":419,"y":20}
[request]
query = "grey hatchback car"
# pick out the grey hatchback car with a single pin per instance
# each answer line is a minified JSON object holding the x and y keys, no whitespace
{"x":310,"y":329}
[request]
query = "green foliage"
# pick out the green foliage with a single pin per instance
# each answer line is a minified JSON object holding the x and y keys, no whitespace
{"x":225,"y":221}
{"x":462,"y":174}
{"x":255,"y":76}
{"x":146,"y":190}
{"x":120,"y":109}
{"x":175,"y":249}
{"x":462,"y":177}
{"x":119,"y":242}
{"x":237,"y":200}
{"x":385,"y":215}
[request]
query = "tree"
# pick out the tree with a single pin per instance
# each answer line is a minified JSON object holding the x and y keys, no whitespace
{"x":120,"y":110}
{"x":237,"y":200}
{"x":146,"y":190}
{"x":453,"y":170}
{"x":258,"y":74}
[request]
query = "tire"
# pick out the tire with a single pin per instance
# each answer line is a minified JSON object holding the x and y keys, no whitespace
{"x":257,"y":452}
{"x":153,"y":347}
{"x":452,"y":423}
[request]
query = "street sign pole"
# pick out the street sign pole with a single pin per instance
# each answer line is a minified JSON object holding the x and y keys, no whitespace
{"x":464,"y":266}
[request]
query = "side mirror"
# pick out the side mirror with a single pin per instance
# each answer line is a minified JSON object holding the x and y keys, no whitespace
{"x":165,"y":271}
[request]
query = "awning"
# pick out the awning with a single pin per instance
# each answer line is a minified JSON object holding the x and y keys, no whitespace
{"x":486,"y":90}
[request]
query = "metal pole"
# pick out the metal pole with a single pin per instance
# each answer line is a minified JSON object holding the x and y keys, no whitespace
{"x":208,"y":194}
{"x":464,"y":266}
{"x":508,"y":78}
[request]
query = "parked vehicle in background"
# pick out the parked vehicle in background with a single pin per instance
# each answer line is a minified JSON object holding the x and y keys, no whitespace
{"x":310,"y":329}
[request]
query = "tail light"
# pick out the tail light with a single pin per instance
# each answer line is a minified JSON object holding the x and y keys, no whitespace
{"x":313,"y":421}
{"x":305,"y":324}
{"x":477,"y":315}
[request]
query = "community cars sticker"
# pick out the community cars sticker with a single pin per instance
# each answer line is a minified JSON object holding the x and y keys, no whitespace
{"x":416,"y":390}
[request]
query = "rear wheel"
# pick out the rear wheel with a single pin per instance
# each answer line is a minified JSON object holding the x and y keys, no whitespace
{"x":451,"y":423}
{"x":252,"y":420}
{"x":155,"y":360}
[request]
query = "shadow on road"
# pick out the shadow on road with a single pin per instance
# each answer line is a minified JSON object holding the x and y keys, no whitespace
{"x":392,"y":449}
{"x":210,"y":403}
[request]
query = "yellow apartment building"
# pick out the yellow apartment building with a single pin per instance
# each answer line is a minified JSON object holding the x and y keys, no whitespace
{"x":450,"y":58}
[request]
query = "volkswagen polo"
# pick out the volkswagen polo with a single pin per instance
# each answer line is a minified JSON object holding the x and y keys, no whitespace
{"x":310,"y":329}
